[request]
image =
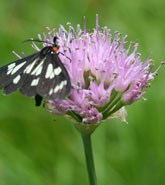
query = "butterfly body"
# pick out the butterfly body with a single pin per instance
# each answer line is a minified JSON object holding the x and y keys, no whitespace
{"x":41,"y":74}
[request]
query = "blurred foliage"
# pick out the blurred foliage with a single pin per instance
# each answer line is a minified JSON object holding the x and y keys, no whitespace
{"x":37,"y":148}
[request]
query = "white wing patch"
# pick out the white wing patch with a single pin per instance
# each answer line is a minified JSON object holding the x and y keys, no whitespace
{"x":60,"y":86}
{"x":10,"y":69}
{"x":38,"y":69}
{"x":35,"y":82}
{"x":11,"y":66}
{"x":52,"y":75}
{"x":38,"y":72}
{"x":57,"y":71}
{"x":30,"y":67}
{"x":51,"y":92}
{"x":16,"y":79}
{"x":16,"y":68}
{"x":49,"y":71}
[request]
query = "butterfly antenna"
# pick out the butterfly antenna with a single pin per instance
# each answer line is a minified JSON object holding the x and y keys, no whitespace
{"x":37,"y":40}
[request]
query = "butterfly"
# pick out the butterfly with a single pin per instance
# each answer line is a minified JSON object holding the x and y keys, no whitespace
{"x":41,"y":75}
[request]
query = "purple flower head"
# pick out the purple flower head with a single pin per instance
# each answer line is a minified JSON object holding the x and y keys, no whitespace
{"x":105,"y":74}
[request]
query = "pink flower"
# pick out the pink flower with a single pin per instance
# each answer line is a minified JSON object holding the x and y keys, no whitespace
{"x":105,"y":74}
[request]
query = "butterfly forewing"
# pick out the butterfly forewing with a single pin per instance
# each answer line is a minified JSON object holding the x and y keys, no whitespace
{"x":31,"y":76}
{"x":11,"y":74}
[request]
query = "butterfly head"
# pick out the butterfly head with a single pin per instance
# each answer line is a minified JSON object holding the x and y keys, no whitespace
{"x":52,"y":47}
{"x":55,"y":46}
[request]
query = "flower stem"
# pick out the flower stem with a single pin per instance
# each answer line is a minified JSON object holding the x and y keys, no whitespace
{"x":86,"y":137}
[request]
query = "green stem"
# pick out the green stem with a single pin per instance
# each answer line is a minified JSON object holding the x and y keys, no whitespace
{"x":86,"y":137}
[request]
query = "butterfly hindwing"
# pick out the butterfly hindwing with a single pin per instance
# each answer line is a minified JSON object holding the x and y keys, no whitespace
{"x":54,"y":81}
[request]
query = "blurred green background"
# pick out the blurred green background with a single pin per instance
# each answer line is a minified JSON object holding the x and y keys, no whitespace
{"x":37,"y":148}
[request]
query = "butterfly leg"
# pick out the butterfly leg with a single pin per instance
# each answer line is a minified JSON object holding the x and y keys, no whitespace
{"x":38,"y":100}
{"x":64,"y":55}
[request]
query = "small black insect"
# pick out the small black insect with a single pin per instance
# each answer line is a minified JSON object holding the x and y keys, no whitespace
{"x":41,"y":75}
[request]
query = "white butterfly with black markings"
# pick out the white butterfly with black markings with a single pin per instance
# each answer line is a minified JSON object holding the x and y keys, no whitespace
{"x":41,"y":75}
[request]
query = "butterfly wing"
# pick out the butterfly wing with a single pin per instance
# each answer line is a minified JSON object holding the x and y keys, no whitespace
{"x":54,"y":81}
{"x":31,"y":76}
{"x":11,"y":74}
